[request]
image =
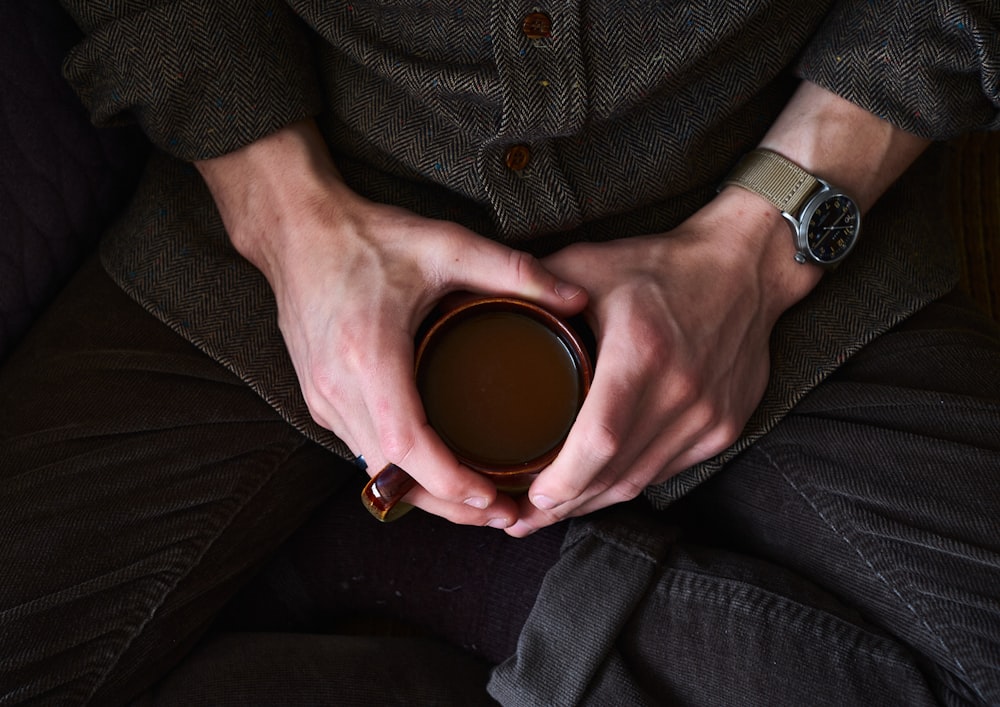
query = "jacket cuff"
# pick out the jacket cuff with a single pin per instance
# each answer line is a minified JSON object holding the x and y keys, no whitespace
{"x":931,"y":68}
{"x":200,"y":78}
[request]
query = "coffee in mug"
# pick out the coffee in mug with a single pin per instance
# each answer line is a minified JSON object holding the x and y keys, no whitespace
{"x":502,"y":381}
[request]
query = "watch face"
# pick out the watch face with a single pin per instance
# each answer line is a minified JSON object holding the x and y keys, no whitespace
{"x":832,"y":228}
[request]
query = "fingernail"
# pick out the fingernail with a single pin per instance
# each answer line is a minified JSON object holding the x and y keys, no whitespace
{"x":520,"y":529}
{"x":477,"y":502}
{"x":543,"y":502}
{"x":567,"y":291}
{"x":499,"y":523}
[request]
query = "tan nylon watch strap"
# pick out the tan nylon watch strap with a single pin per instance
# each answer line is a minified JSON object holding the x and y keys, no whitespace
{"x":780,"y":181}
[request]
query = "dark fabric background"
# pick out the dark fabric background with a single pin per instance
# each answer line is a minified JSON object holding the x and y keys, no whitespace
{"x":60,"y":180}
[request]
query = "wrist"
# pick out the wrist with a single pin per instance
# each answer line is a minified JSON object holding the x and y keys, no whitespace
{"x":758,"y":241}
{"x":268,"y":191}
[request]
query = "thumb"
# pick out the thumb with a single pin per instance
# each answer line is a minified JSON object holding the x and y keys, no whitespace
{"x":494,"y":268}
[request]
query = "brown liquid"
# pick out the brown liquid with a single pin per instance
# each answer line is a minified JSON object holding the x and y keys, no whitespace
{"x":499,"y":388}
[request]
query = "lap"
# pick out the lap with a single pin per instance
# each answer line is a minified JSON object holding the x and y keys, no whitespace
{"x":143,"y":483}
{"x":144,"y":487}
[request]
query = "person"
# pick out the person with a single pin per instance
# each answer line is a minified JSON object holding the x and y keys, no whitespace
{"x":782,"y":486}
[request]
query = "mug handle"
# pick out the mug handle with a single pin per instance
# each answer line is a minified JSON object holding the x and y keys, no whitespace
{"x":383,"y":493}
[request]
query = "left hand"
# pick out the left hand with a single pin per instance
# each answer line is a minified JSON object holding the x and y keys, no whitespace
{"x":683,"y":321}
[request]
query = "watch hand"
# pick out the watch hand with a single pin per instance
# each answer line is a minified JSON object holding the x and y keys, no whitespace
{"x":835,"y":227}
{"x":828,"y":233}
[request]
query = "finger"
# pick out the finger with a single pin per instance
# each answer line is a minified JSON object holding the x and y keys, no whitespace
{"x":480,"y":264}
{"x":608,"y":433}
{"x":698,"y":435}
{"x":621,"y":479}
{"x":501,"y":514}
{"x":532,"y":518}
{"x":399,"y":432}
{"x":391,"y":493}
{"x":372,"y":402}
{"x":622,"y":487}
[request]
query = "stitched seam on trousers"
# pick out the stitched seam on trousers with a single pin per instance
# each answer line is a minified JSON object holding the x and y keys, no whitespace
{"x":700,"y":582}
{"x":868,"y":563}
{"x":641,"y":547}
{"x":154,"y":610}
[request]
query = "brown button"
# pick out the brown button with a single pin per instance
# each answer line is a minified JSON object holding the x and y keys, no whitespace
{"x":517,"y":157}
{"x":537,"y":25}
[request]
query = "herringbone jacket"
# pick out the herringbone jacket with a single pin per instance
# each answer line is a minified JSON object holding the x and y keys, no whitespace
{"x":633,"y":113}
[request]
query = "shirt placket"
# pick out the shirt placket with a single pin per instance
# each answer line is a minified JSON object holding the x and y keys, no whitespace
{"x":539,"y":60}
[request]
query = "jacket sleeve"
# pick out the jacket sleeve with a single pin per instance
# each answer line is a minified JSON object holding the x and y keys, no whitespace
{"x":930,"y":67}
{"x":200,"y":78}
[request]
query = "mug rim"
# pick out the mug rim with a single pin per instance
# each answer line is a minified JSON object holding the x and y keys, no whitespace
{"x":465,"y":308}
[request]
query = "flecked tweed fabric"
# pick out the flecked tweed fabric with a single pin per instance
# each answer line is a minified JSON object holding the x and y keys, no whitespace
{"x":633,"y":111}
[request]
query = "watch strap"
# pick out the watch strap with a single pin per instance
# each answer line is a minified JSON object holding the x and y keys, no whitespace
{"x":779,"y":180}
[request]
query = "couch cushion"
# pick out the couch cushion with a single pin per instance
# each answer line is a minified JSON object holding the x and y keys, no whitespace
{"x":61,"y":180}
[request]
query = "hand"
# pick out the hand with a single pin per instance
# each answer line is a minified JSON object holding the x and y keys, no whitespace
{"x":349,"y":309}
{"x":682,"y":321}
{"x":353,"y":280}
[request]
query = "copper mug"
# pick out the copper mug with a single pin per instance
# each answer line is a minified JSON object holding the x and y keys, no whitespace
{"x":501,"y":380}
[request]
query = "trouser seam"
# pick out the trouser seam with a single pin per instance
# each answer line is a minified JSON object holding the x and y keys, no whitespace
{"x":832,"y":527}
{"x":735,"y":593}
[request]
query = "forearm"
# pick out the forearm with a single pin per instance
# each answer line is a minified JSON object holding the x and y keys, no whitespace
{"x":830,"y":138}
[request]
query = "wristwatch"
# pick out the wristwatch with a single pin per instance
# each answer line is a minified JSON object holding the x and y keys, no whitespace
{"x":824,"y":219}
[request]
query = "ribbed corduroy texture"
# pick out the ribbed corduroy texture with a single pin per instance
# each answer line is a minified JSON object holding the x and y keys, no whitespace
{"x":974,"y":201}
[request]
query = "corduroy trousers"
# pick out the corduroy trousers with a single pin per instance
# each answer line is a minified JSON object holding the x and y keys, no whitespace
{"x":165,"y":537}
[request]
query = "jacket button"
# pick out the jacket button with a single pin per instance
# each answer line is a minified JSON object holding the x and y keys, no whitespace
{"x":537,"y":25}
{"x":517,"y":157}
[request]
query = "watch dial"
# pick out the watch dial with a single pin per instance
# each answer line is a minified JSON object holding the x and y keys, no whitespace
{"x":833,"y":228}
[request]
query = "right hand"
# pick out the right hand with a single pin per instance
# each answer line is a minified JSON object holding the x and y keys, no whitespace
{"x":353,"y":279}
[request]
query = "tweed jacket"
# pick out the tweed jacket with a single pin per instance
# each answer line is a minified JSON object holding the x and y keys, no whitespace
{"x":633,"y":112}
